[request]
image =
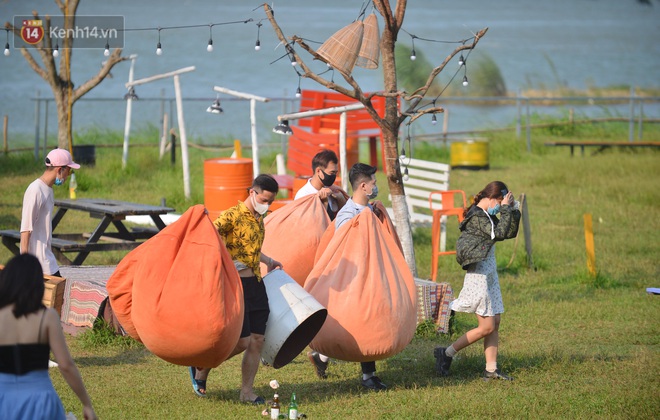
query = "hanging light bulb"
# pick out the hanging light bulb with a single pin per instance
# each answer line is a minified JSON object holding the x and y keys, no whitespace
{"x":405,"y":174}
{"x":434,"y":120}
{"x":298,"y":92}
{"x":159,"y":50}
{"x":56,"y":51}
{"x":106,"y":52}
{"x":413,"y":56}
{"x":461,"y":61}
{"x":292,"y":56}
{"x":403,"y":151}
{"x":7,"y":52}
{"x":465,"y":81}
{"x":257,"y":45}
{"x":209,"y":47}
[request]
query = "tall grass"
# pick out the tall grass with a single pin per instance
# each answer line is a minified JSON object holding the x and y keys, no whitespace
{"x":579,"y":346}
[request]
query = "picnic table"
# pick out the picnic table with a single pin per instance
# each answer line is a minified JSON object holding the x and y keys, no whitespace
{"x":109,"y":212}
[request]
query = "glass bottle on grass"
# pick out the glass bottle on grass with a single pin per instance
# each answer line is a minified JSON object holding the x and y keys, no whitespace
{"x":293,"y":407}
{"x":73,"y":184}
{"x":275,"y":407}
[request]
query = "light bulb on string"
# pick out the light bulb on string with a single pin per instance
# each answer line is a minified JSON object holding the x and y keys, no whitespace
{"x":461,"y":61}
{"x":7,"y":51}
{"x":106,"y":52}
{"x":434,"y":120}
{"x":413,"y":55}
{"x":291,"y":54}
{"x":56,"y":50}
{"x":465,"y":81}
{"x":209,"y":47}
{"x":257,"y":45}
{"x":159,"y":49}
{"x":405,"y":174}
{"x":298,"y":91}
{"x":403,"y":151}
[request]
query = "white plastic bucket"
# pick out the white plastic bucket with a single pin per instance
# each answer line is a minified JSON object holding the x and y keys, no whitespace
{"x":295,"y":319}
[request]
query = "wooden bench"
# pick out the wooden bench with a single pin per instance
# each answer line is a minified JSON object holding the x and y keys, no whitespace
{"x":12,"y":238}
{"x":602,"y":145}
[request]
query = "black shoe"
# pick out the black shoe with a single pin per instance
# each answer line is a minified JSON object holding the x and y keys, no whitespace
{"x":496,"y":375}
{"x":442,"y":361}
{"x":374,"y":383}
{"x":319,"y":365}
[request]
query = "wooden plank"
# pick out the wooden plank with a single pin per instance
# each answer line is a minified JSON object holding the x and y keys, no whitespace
{"x":589,"y":239}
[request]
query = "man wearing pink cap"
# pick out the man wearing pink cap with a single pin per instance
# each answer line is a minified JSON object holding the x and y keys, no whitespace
{"x":38,"y":203}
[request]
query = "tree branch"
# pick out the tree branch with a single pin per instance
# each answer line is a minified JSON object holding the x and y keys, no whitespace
{"x":114,"y":58}
{"x":416,"y":97}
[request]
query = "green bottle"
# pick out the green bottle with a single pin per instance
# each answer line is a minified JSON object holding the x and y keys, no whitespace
{"x":293,"y":407}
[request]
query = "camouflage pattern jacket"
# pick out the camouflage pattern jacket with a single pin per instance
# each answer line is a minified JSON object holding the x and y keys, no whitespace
{"x":475,"y":241}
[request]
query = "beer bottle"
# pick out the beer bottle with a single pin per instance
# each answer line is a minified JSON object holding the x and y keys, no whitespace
{"x":275,"y":407}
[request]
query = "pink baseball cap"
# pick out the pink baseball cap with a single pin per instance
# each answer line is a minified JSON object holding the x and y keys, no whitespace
{"x":60,"y":157}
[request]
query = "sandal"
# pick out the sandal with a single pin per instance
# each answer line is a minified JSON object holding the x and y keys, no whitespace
{"x":256,"y":401}
{"x":199,"y":385}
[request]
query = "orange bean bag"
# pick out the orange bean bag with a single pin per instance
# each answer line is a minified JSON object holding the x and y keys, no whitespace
{"x":180,"y":293}
{"x":364,"y":282}
{"x":293,"y":233}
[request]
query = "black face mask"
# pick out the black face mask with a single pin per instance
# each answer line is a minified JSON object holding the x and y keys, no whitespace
{"x":328,"y":179}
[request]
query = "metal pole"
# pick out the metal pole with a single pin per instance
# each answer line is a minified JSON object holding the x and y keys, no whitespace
{"x":529,"y":128}
{"x":46,"y":128}
{"x":631,"y":123}
{"x":37,"y":107}
{"x":342,"y":151}
{"x":182,"y":133}
{"x":641,"y":120}
{"x":255,"y":145}
{"x":519,"y":115}
{"x":129,"y":108}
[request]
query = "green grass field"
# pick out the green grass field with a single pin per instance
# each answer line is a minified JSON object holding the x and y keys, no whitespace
{"x":578,"y":346}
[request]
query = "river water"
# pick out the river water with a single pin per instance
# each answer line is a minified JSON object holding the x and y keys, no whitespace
{"x":576,"y":43}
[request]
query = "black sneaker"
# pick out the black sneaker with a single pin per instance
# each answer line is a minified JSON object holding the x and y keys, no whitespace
{"x":319,"y":365}
{"x":374,"y":383}
{"x":496,"y":375}
{"x":442,"y":361}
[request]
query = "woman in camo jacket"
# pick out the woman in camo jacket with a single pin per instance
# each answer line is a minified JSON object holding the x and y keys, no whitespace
{"x":481,"y":295}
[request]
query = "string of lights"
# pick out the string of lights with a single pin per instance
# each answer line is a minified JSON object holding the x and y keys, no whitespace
{"x":158,"y":29}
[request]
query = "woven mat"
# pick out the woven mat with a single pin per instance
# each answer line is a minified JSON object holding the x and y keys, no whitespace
{"x":433,"y":303}
{"x":84,"y":292}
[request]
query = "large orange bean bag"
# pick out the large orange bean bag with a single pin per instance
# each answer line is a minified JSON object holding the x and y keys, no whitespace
{"x":180,"y":293}
{"x":293,"y":233}
{"x":383,"y":217}
{"x":364,"y":282}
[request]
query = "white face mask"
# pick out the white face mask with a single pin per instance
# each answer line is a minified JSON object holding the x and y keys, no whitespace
{"x":259,"y":207}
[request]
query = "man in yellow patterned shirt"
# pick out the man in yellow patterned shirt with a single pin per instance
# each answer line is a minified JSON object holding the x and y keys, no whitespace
{"x":242,"y":230}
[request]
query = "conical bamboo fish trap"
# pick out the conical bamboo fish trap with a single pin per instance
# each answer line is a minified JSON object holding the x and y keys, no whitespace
{"x":342,"y":48}
{"x":370,"y":49}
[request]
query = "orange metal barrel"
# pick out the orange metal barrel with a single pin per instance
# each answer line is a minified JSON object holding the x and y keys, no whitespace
{"x":226,"y":181}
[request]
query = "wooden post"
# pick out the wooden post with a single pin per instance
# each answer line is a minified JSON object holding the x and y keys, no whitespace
{"x":163,"y":139}
{"x":445,"y":125}
{"x":173,"y":146}
{"x":527,"y":230}
{"x":589,"y":238}
{"x":5,"y":142}
{"x":182,"y":133}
